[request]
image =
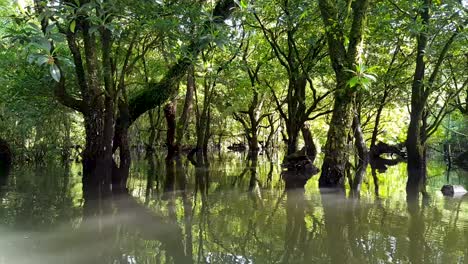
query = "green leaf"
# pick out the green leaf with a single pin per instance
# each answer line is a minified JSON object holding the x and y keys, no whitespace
{"x":365,"y":82}
{"x":32,"y":58}
{"x":41,"y":60}
{"x":72,"y":26}
{"x":55,"y":72}
{"x":45,"y":44}
{"x":243,"y":3}
{"x":34,"y":26}
{"x":353,"y":81}
{"x":370,"y":77}
{"x":49,"y":28}
{"x":303,"y":15}
{"x":64,"y":60}
{"x":57,"y":37}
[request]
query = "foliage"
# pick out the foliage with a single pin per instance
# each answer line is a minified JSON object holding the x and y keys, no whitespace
{"x":261,"y":34}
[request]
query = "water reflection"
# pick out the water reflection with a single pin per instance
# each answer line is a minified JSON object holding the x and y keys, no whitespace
{"x":295,"y":232}
{"x":232,"y":209}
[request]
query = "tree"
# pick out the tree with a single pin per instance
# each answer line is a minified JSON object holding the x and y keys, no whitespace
{"x":344,"y":60}
{"x":252,"y":115}
{"x":289,"y":30}
{"x":95,"y":34}
{"x":423,"y":86}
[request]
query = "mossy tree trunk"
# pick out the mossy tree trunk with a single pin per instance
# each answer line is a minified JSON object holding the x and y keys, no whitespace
{"x":342,"y":59}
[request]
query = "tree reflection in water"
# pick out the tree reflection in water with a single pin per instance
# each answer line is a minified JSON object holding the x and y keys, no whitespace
{"x":204,"y":223}
{"x":295,"y":229}
{"x":177,"y":212}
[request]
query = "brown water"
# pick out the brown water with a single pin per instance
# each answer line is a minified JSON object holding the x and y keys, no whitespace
{"x":229,"y":212}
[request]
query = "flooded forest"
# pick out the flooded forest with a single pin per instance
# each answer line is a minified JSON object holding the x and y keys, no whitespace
{"x":233,"y":131}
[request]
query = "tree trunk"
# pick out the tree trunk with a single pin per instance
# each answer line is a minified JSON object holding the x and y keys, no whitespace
{"x":185,"y":117}
{"x":363,"y":155}
{"x":254,"y":116}
{"x":5,"y":158}
{"x":376,"y":182}
{"x":296,"y":110}
{"x":414,"y":143}
{"x":152,"y":135}
{"x":378,"y":115}
{"x":253,"y":182}
{"x":311,"y":150}
{"x":342,"y":59}
{"x":170,"y":114}
{"x":207,"y":135}
{"x":200,"y":124}
{"x":253,"y":142}
{"x":292,"y":141}
{"x":416,"y":162}
{"x":97,"y":155}
{"x":121,"y":171}
{"x":336,"y":149}
{"x":120,"y":174}
{"x":66,"y":144}
{"x":269,"y":142}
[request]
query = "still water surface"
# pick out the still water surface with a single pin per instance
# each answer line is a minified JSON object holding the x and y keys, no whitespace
{"x":229,"y":212}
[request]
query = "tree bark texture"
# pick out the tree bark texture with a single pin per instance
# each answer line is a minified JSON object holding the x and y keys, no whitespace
{"x":311,"y":150}
{"x":170,"y":114}
{"x":342,"y":59}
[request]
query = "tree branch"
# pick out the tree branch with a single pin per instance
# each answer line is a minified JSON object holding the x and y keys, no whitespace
{"x":157,"y":93}
{"x":66,"y":99}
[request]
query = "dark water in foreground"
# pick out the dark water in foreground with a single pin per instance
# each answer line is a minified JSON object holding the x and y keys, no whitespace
{"x":228,"y":213}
